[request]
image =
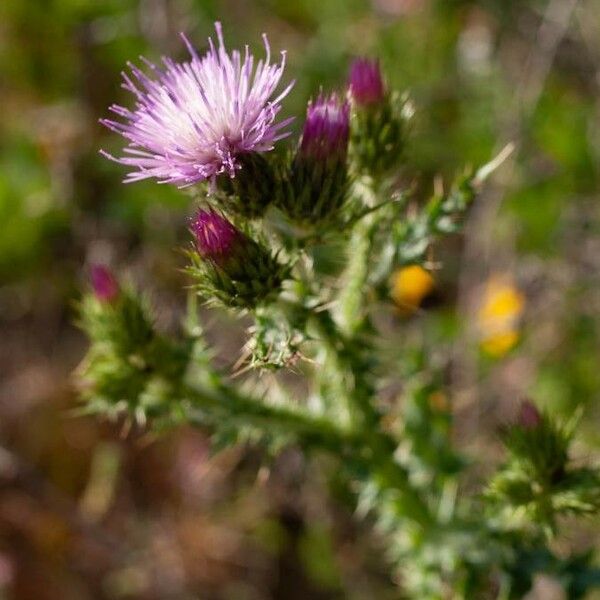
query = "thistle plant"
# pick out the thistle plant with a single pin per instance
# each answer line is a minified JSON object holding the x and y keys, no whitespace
{"x":256,"y":249}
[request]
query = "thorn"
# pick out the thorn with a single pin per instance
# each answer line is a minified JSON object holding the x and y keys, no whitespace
{"x":484,"y":172}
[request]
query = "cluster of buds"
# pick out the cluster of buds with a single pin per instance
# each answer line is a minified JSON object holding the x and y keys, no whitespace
{"x":213,"y":121}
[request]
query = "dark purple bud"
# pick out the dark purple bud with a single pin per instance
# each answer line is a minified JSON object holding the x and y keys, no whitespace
{"x":327,"y":129}
{"x":104,"y":284}
{"x":217,"y":239}
{"x":366,"y":83}
{"x":230,"y":267}
{"x":529,"y":415}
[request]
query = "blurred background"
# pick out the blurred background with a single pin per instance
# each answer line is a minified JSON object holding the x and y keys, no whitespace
{"x":90,"y":510}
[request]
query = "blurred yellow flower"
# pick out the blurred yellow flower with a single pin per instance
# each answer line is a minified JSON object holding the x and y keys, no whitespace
{"x":500,"y":343}
{"x":410,"y":286}
{"x":498,"y":317}
{"x":438,"y":401}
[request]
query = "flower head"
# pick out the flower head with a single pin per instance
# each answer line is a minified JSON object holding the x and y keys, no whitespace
{"x":365,"y":82}
{"x":104,"y":284}
{"x":193,"y":120}
{"x":326,"y":129}
{"x":216,"y":238}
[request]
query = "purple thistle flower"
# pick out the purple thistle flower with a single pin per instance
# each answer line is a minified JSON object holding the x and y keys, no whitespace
{"x":193,"y":120}
{"x":326,"y":130}
{"x":216,"y":238}
{"x":366,"y":83}
{"x":104,"y":284}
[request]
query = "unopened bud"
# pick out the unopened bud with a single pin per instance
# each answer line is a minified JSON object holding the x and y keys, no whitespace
{"x":317,"y":183}
{"x":326,"y":130}
{"x":366,"y":83}
{"x":104,"y":284}
{"x":529,"y":415}
{"x":378,"y":120}
{"x":217,"y":240}
{"x":230,"y":266}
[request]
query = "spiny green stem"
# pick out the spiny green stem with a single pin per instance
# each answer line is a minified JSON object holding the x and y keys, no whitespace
{"x":374,"y":194}
{"x":355,"y":448}
{"x":350,"y":360}
{"x":351,"y":299}
{"x":375,"y":450}
{"x":224,"y":402}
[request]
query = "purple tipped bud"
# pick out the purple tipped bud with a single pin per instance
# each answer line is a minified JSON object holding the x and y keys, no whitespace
{"x":317,"y":187}
{"x":327,"y":129}
{"x":104,"y":284}
{"x":216,"y":238}
{"x":229,"y":266}
{"x":529,"y":415}
{"x":366,"y":83}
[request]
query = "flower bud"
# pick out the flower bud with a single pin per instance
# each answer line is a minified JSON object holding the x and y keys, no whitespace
{"x":130,"y":368}
{"x":529,"y":415}
{"x":366,"y":83}
{"x":317,"y":183}
{"x":378,"y":120}
{"x":230,"y":267}
{"x":326,"y":130}
{"x":217,"y":240}
{"x":104,"y":284}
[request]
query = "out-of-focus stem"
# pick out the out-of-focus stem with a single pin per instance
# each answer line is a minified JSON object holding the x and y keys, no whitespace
{"x":350,"y":314}
{"x":224,"y":402}
{"x":357,"y":449}
{"x":352,"y":370}
{"x":351,"y":299}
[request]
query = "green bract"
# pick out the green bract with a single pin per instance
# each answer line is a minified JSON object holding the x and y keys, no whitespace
{"x":378,"y":135}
